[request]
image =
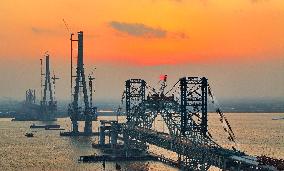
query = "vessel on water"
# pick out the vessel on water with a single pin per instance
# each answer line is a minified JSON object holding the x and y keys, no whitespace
{"x":45,"y":126}
{"x":278,"y":118}
{"x":29,"y":135}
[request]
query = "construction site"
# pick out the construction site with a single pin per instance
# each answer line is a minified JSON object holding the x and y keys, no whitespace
{"x":183,"y":109}
{"x":45,"y":111}
{"x":147,"y":85}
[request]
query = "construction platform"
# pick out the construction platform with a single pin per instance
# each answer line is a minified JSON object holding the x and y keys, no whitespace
{"x":109,"y":158}
{"x":33,"y":119}
{"x":44,"y":126}
{"x":147,"y":157}
{"x":55,"y":129}
{"x":70,"y":134}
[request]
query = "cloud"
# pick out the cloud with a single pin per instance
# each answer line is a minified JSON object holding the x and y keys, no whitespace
{"x":256,"y":1}
{"x":41,"y":30}
{"x":138,"y":29}
{"x":179,"y":35}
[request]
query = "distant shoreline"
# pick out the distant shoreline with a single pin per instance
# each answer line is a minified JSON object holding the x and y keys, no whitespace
{"x":210,"y":112}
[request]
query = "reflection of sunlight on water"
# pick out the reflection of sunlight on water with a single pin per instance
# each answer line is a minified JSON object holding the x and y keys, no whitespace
{"x":81,"y":142}
{"x":256,"y":133}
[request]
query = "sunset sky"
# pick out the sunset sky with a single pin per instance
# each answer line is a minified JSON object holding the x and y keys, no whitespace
{"x":237,"y":44}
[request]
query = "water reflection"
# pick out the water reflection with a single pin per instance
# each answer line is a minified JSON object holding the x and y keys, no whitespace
{"x":81,"y":141}
{"x":257,"y":134}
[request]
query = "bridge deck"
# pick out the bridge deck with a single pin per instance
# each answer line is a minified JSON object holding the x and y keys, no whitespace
{"x":214,"y":156}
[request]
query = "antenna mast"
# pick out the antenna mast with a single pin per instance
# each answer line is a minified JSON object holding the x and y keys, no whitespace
{"x":41,"y":78}
{"x":54,"y":78}
{"x":71,"y":58}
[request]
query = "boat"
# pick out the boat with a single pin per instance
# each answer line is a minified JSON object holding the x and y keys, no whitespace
{"x":54,"y":129}
{"x":29,"y":135}
{"x":45,"y":126}
{"x":278,"y":118}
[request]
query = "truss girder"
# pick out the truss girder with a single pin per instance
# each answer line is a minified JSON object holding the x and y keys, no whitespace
{"x":177,"y":114}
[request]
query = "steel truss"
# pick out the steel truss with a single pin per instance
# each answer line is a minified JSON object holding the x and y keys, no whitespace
{"x":185,"y":115}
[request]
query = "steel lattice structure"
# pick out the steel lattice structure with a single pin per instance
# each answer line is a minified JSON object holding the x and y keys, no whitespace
{"x":185,"y":114}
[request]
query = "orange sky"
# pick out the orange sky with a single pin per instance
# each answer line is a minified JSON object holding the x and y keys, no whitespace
{"x":237,"y":44}
{"x":192,"y":31}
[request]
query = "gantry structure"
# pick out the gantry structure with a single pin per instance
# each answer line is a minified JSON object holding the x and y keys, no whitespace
{"x":185,"y":113}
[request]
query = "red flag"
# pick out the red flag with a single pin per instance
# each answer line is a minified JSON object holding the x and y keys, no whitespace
{"x":163,"y":77}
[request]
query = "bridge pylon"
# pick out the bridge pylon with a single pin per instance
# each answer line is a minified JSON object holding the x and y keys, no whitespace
{"x":85,"y":112}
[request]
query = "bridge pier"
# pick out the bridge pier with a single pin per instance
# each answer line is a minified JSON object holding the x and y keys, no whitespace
{"x":113,"y":134}
{"x":102,"y":135}
{"x":112,"y":128}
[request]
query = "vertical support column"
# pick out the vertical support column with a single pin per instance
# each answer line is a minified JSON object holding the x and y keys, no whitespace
{"x":71,"y":65}
{"x":193,"y":106}
{"x":47,"y":107}
{"x":75,"y":126}
{"x":204,"y":123}
{"x":114,"y":134}
{"x":134,"y":94}
{"x":81,"y":66}
{"x":113,"y":138}
{"x":88,"y":124}
{"x":146,"y":122}
{"x":45,"y":81}
{"x":87,"y":110}
{"x":34,"y":98}
{"x":47,"y":77}
{"x":74,"y":108}
{"x":102,"y":135}
{"x":143,"y":90}
{"x":126,"y":140}
{"x":80,"y":79}
{"x":183,"y":104}
{"x":127,"y":97}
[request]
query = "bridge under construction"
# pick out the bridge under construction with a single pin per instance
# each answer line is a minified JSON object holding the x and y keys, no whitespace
{"x":184,"y":111}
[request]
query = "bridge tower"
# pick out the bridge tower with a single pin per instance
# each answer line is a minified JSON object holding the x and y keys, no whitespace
{"x":193,"y":105}
{"x":77,"y":113}
{"x":134,"y":95}
{"x":47,"y":104}
{"x":193,"y":112}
